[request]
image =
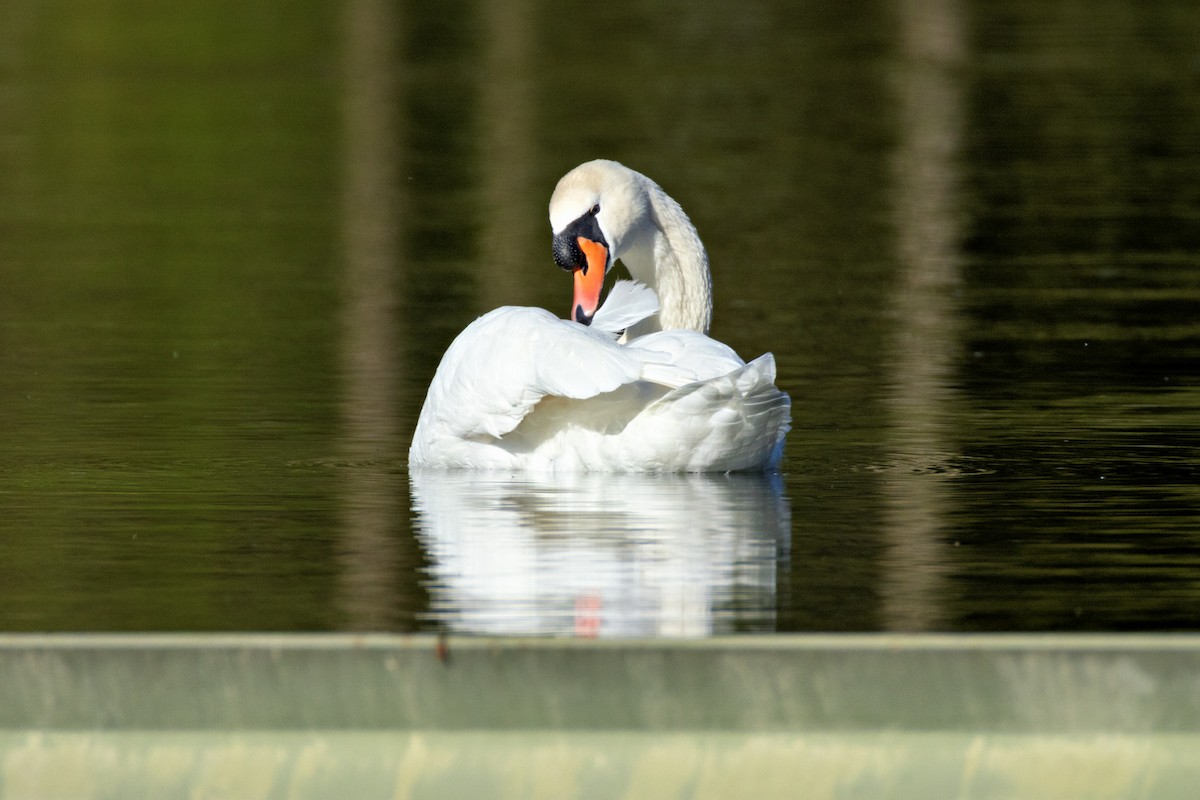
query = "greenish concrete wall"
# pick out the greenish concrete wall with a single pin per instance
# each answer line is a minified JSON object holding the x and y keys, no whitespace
{"x":380,"y":716}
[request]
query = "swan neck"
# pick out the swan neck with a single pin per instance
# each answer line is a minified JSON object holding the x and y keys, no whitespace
{"x":678,"y":265}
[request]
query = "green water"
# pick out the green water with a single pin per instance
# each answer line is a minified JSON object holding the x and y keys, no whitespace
{"x":236,"y":238}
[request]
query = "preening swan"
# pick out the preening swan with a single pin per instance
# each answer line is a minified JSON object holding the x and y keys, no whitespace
{"x":522,"y":389}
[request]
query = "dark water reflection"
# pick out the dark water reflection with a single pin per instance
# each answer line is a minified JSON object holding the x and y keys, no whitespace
{"x":235,"y":240}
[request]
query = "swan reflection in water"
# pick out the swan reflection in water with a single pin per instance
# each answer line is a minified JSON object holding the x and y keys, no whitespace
{"x":594,"y":554}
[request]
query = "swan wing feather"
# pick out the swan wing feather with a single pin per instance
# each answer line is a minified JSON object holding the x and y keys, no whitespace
{"x":627,"y":304}
{"x":728,"y":421}
{"x":506,"y":361}
{"x":691,"y":356}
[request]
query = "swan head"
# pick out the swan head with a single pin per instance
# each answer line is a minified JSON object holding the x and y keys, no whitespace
{"x":596,"y":211}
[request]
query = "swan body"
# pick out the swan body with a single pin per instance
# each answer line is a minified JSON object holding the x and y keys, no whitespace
{"x":520,"y":389}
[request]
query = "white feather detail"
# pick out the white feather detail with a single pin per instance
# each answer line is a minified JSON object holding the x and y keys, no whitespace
{"x":627,"y":304}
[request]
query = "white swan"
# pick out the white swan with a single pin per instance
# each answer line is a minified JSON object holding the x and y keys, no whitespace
{"x":521,"y":389}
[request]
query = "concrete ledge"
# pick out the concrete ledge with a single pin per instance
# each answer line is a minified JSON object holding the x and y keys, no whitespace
{"x":385,"y":716}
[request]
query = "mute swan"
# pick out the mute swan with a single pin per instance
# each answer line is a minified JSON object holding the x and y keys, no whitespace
{"x":521,"y":389}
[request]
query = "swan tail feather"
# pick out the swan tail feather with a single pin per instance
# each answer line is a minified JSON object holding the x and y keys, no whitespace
{"x":737,"y":421}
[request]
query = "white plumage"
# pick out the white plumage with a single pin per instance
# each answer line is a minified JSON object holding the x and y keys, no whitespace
{"x":522,"y":389}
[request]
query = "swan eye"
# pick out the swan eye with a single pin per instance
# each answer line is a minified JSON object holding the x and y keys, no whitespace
{"x":595,"y":210}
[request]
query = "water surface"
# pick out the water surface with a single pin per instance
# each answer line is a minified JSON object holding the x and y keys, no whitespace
{"x":235,"y":240}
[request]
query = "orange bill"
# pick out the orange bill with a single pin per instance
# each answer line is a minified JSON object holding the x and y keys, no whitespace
{"x":589,"y":280}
